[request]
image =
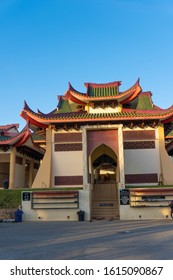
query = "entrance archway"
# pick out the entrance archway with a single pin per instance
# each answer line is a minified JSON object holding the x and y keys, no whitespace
{"x":104,"y":177}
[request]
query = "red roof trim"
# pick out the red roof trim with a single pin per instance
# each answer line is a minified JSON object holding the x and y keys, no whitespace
{"x":9,"y":126}
{"x":122,"y":97}
{"x":23,"y":139}
{"x":135,"y":89}
{"x":25,"y":114}
{"x":83,"y":117}
{"x":13,"y":141}
{"x":167,"y":120}
{"x":70,"y":96}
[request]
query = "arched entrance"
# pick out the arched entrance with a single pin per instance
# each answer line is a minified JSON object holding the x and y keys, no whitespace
{"x":104,"y":177}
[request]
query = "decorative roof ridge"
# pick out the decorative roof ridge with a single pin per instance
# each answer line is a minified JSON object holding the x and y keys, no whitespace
{"x":126,"y":112}
{"x":136,"y":84}
{"x":156,"y":110}
{"x":156,"y":107}
{"x":18,"y":135}
{"x":62,"y":97}
{"x":102,"y":85}
{"x":109,"y":97}
{"x":50,"y":113}
{"x":132,"y":92}
{"x":82,"y":117}
{"x":83,"y":97}
{"x":169,"y":108}
{"x":76,"y":93}
{"x":71,"y":88}
{"x":27,"y":108}
{"x":25,"y":135}
{"x":9,"y":126}
{"x":26,"y":112}
{"x":146,"y":93}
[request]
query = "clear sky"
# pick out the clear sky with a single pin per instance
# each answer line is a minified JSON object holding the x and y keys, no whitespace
{"x":44,"y":44}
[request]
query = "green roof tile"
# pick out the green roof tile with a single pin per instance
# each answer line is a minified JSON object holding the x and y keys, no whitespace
{"x":102,"y":91}
{"x":144,"y":103}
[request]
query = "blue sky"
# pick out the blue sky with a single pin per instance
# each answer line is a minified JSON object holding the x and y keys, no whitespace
{"x":44,"y":44}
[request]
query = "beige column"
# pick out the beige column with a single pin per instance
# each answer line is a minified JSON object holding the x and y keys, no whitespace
{"x":43,"y":177}
{"x":31,"y":172}
{"x":12,"y":168}
{"x":23,"y":173}
{"x":84,"y":147}
{"x":121,"y":157}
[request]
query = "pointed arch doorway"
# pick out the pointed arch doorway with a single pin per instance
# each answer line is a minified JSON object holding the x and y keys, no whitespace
{"x":104,"y":178}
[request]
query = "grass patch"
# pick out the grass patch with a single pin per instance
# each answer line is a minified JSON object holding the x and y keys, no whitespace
{"x":10,"y":199}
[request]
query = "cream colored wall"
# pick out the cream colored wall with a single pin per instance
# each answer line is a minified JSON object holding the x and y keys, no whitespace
{"x":141,"y":161}
{"x":48,"y":214}
{"x":67,"y":163}
{"x":129,"y":213}
{"x":105,"y":110}
{"x":58,"y":214}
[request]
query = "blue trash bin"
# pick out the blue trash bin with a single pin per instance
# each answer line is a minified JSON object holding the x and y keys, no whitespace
{"x":18,"y":216}
{"x":81,"y":215}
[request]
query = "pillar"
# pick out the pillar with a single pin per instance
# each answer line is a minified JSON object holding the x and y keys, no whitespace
{"x":43,"y":176}
{"x":31,"y":172}
{"x":12,"y":168}
{"x":23,"y":173}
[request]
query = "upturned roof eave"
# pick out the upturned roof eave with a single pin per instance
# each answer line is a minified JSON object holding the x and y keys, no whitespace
{"x":64,"y":118}
{"x":9,"y":126}
{"x":122,"y":97}
{"x":16,"y":140}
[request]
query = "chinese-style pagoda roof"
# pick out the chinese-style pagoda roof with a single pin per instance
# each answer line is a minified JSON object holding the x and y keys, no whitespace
{"x":43,"y":120}
{"x":9,"y":130}
{"x":18,"y":139}
{"x":99,"y":92}
{"x":136,"y":105}
{"x":9,"y":127}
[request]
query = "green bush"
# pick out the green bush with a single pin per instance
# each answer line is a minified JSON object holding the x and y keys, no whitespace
{"x":10,"y":199}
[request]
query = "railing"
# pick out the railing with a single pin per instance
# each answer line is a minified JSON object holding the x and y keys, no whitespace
{"x":154,"y":197}
{"x":55,"y":200}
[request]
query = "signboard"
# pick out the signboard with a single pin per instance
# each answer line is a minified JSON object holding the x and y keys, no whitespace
{"x":106,"y":204}
{"x":124,"y":197}
{"x":26,"y":196}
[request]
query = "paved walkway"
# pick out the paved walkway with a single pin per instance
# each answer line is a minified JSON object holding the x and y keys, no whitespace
{"x":97,"y":240}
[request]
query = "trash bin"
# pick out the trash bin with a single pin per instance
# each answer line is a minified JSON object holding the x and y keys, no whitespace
{"x":5,"y":184}
{"x":18,"y":216}
{"x":81,"y":215}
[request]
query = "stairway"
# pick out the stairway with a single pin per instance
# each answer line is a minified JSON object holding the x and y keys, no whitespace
{"x":105,"y":203}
